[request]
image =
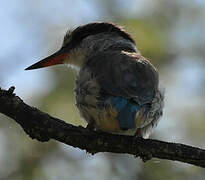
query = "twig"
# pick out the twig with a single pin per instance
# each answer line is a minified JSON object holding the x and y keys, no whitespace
{"x":41,"y":126}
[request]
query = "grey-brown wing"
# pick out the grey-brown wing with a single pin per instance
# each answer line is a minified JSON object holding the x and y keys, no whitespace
{"x":125,"y":74}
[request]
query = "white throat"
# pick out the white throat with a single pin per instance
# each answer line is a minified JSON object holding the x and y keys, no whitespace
{"x":76,"y":59}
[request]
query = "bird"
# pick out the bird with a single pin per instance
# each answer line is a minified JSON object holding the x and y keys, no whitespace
{"x":116,"y":89}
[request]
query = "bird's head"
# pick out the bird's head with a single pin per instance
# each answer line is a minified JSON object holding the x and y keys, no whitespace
{"x":83,"y":41}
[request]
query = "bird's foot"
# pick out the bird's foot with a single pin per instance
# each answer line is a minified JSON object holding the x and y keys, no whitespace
{"x":91,"y":125}
{"x":138,"y":134}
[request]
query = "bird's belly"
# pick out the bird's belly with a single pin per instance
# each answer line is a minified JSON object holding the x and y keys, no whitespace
{"x":102,"y":118}
{"x":106,"y":119}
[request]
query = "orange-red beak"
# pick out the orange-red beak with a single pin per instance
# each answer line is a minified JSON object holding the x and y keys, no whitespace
{"x":56,"y":58}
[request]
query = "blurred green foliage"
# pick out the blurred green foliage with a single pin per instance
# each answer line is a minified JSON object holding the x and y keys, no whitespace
{"x":60,"y":101}
{"x":150,"y":38}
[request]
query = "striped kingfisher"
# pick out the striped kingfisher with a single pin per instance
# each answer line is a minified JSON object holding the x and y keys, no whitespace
{"x":117,"y":89}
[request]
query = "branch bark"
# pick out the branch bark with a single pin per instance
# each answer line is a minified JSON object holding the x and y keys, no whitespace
{"x":41,"y":126}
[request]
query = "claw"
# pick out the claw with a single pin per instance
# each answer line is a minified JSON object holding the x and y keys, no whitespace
{"x":138,"y":133}
{"x":91,"y":125}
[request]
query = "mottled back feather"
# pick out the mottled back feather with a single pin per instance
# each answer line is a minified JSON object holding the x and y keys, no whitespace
{"x":125,"y":74}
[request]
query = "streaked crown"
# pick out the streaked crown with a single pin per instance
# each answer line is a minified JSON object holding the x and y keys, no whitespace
{"x":75,"y":37}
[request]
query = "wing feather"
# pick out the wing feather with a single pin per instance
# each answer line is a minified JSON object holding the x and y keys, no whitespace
{"x":125,"y":74}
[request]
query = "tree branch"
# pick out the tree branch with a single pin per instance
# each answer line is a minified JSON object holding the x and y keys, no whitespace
{"x":41,"y":126}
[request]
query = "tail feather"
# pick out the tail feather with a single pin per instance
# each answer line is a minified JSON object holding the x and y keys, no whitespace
{"x":126,"y":112}
{"x":127,"y":117}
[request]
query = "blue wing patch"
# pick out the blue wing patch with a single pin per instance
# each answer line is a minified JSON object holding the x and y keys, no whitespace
{"x":126,"y":111}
